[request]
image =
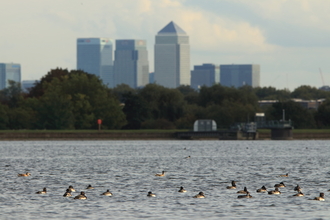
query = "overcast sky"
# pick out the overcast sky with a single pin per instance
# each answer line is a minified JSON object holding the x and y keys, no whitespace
{"x":290,"y":39}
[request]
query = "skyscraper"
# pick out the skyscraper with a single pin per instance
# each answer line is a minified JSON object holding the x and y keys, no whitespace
{"x":131,"y":64}
{"x":9,"y":71}
{"x":240,"y":75}
{"x":205,"y":75}
{"x":94,"y":56}
{"x":172,"y":57}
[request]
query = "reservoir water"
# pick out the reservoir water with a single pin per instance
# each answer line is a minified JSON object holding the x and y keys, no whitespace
{"x":128,"y":168}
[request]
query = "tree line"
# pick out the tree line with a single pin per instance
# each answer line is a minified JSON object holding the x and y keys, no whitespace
{"x":74,"y":99}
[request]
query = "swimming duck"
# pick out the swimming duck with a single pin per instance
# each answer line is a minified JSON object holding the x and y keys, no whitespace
{"x":160,"y":174}
{"x":188,"y":157}
{"x":44,"y":191}
{"x":262,"y":189}
{"x":247,"y":195}
{"x":71,"y":189}
{"x":276,"y":191}
{"x":67,"y":193}
{"x":244,"y":191}
{"x":200,"y":195}
{"x":90,"y":187}
{"x":281,"y":184}
{"x":24,"y":174}
{"x":285,"y":175}
{"x":320,"y":198}
{"x":182,"y":190}
{"x":81,"y":196}
{"x":299,"y":193}
{"x":150,"y":194}
{"x":233,"y":185}
{"x":106,"y":193}
{"x":297,"y":188}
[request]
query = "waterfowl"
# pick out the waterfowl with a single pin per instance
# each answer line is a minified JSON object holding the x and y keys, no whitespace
{"x":24,"y":174}
{"x":299,"y":193}
{"x":67,"y":193}
{"x":233,"y":185}
{"x":44,"y":191}
{"x":188,"y":157}
{"x":89,"y":187}
{"x":182,"y":190}
{"x":160,"y":174}
{"x":247,"y":195}
{"x":150,"y":194}
{"x":297,"y":188}
{"x":71,"y":189}
{"x":281,"y":184}
{"x":200,"y":195}
{"x":276,"y":191}
{"x":320,"y":198}
{"x":262,"y":189}
{"x":106,"y":193}
{"x":81,"y":196}
{"x":244,"y":191}
{"x":284,"y":175}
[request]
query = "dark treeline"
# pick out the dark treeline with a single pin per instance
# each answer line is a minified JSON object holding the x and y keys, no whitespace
{"x":65,"y":99}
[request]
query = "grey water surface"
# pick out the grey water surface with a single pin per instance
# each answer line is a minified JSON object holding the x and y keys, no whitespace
{"x":128,"y":169}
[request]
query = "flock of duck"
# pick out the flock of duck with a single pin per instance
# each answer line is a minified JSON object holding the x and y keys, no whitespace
{"x":246,"y":193}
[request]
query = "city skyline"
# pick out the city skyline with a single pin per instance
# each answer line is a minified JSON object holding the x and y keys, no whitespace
{"x":289,"y":39}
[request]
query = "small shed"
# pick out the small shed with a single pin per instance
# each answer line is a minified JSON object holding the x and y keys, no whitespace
{"x":205,"y":125}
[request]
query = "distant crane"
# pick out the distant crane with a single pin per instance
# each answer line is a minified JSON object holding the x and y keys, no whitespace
{"x":321,"y":76}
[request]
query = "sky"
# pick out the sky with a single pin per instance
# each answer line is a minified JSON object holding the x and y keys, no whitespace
{"x":289,"y":39}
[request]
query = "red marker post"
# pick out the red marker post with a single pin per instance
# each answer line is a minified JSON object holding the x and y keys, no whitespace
{"x":99,"y":122}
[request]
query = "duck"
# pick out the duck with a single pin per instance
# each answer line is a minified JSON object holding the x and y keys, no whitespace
{"x":150,"y":194}
{"x":285,"y":175}
{"x":71,"y":189}
{"x":81,"y":196}
{"x":244,"y":191}
{"x":247,"y":195}
{"x":24,"y":174}
{"x":200,"y":195}
{"x":67,"y":193}
{"x":299,"y":193}
{"x":281,"y":184}
{"x":188,"y":157}
{"x":160,"y":174}
{"x":106,"y":193}
{"x":276,"y":191}
{"x":262,"y":189}
{"x":297,"y":188}
{"x":44,"y":191}
{"x":89,"y":187}
{"x":182,"y":190}
{"x":320,"y":198}
{"x":233,"y":185}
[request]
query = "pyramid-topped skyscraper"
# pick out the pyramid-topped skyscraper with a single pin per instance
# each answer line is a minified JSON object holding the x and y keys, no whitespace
{"x":172,"y":57}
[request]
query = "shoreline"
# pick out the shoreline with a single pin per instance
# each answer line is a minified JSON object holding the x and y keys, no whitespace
{"x":15,"y":136}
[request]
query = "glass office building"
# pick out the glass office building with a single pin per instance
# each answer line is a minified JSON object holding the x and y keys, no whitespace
{"x":238,"y":75}
{"x":172,"y":57}
{"x":131,"y":65}
{"x":9,"y":71}
{"x":94,"y":56}
{"x":205,"y":75}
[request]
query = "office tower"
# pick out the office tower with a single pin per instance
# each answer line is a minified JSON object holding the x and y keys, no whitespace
{"x":131,"y":64}
{"x":9,"y":71}
{"x":151,"y":77}
{"x":172,"y":57}
{"x":239,"y":75}
{"x":205,"y":75}
{"x":27,"y":84}
{"x":94,"y":56}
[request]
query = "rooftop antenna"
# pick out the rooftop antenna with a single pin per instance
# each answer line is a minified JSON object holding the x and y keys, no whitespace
{"x":321,"y":76}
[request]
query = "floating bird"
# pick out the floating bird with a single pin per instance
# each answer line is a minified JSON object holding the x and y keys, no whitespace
{"x":200,"y":195}
{"x":71,"y":189}
{"x":81,"y":196}
{"x":297,"y":188}
{"x":150,"y":194}
{"x":233,"y":185}
{"x":244,"y":191}
{"x":262,"y":189}
{"x":106,"y":193}
{"x":244,"y":196}
{"x":89,"y":187}
{"x":67,"y":193}
{"x":24,"y":174}
{"x":281,"y":184}
{"x":285,"y":175}
{"x":44,"y":191}
{"x":320,"y":198}
{"x":299,"y":193}
{"x":162,"y":174}
{"x":276,"y":191}
{"x":182,"y":190}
